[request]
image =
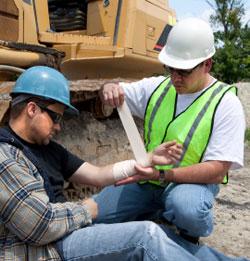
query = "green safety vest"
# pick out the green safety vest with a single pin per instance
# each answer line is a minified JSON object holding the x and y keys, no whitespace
{"x":192,"y":128}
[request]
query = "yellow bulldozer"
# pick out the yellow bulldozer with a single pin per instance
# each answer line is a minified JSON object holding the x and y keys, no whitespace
{"x":85,"y":39}
{"x":89,"y":41}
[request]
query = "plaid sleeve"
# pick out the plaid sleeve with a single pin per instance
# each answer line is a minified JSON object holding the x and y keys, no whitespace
{"x":25,"y":208}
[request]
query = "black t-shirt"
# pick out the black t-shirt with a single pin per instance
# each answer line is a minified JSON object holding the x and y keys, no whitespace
{"x":58,"y":162}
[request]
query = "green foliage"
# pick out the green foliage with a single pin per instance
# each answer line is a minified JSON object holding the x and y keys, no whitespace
{"x":247,"y":135}
{"x":232,"y":59}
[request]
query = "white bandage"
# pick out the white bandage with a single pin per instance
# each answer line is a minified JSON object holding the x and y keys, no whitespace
{"x":133,"y":134}
{"x":124,"y":169}
{"x":147,"y":162}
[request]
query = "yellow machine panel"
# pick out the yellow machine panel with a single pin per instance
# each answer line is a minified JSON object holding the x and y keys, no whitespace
{"x":84,"y":39}
{"x":88,"y":40}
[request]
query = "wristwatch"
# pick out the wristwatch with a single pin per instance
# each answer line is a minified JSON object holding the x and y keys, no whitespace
{"x":162,"y":176}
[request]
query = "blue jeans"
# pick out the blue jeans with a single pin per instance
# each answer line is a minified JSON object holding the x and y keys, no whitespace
{"x":188,"y":206}
{"x":126,"y":241}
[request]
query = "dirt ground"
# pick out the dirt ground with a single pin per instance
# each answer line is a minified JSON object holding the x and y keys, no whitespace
{"x":232,"y":214}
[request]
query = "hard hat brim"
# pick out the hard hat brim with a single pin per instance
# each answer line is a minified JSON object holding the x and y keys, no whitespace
{"x":180,"y":63}
{"x":71,"y":110}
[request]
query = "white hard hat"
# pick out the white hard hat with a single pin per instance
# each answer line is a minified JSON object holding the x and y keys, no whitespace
{"x":190,"y":42}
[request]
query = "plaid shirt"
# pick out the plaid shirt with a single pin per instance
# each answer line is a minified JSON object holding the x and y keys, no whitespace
{"x":29,"y":224}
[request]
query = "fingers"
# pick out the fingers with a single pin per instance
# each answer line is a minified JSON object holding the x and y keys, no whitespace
{"x":128,"y":180}
{"x":165,"y":160}
{"x":143,"y":170}
{"x":112,"y":94}
{"x":146,"y":173}
{"x":164,"y":147}
{"x":162,"y":160}
{"x":175,"y":151}
{"x":143,"y":173}
{"x":168,"y":144}
{"x":172,"y":146}
{"x":167,"y":153}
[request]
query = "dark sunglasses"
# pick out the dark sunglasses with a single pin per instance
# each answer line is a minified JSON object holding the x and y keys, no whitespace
{"x":183,"y":73}
{"x":55,"y":117}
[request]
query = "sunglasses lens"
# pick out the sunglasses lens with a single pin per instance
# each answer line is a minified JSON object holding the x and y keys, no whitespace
{"x":180,"y":72}
{"x":186,"y":72}
{"x":55,"y":117}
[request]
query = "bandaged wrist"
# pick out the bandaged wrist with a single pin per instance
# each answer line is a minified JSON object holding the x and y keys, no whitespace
{"x":123,"y":169}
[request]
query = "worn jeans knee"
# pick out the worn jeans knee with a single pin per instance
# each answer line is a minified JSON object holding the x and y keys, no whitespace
{"x":189,"y":207}
{"x":126,"y":203}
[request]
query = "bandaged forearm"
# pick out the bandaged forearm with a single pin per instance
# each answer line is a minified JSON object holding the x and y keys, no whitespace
{"x":124,"y":169}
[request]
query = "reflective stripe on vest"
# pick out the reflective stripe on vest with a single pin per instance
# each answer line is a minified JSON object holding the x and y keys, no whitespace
{"x":192,"y":127}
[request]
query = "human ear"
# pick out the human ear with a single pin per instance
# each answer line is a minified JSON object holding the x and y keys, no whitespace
{"x":31,"y":109}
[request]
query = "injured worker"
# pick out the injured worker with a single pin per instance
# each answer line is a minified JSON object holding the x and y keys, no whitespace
{"x":37,"y":222}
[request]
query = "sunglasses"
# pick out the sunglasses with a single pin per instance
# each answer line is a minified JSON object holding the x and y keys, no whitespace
{"x":55,"y":117}
{"x":183,"y":73}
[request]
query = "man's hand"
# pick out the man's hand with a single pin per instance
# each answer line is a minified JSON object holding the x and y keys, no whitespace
{"x":143,"y":173}
{"x":167,"y":153}
{"x":112,"y":94}
{"x":92,"y":207}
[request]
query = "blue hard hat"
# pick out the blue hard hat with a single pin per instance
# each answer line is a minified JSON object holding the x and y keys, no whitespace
{"x":47,"y":83}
